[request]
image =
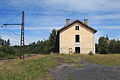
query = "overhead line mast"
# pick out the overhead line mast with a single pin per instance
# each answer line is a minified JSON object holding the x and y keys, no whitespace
{"x":22,"y":36}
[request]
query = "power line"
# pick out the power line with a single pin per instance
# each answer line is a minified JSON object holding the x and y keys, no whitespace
{"x":5,"y":36}
{"x":9,"y":30}
{"x":10,"y":33}
{"x":13,"y":32}
{"x":12,"y":19}
{"x":17,"y":34}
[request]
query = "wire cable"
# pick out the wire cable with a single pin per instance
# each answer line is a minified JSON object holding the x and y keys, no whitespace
{"x":4,"y":36}
{"x":12,"y":19}
{"x":13,"y":32}
{"x":7,"y":29}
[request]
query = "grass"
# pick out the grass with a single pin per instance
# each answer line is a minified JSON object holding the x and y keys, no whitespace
{"x":108,"y":60}
{"x":36,"y":68}
{"x":103,"y":59}
{"x":8,"y":57}
{"x":31,"y":69}
{"x":70,"y":58}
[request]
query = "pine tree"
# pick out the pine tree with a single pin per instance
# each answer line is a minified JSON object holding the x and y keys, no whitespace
{"x":8,"y":42}
{"x":103,"y":45}
{"x":52,"y":41}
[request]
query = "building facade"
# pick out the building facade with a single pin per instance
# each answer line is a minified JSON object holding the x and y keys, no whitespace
{"x":76,"y":37}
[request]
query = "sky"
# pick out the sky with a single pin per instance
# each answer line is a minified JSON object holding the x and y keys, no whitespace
{"x":41,"y":16}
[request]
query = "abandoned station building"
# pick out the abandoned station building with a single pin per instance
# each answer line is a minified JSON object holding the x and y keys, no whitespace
{"x":76,"y":37}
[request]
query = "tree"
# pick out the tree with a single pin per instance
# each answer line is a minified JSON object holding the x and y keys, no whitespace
{"x":43,"y":46}
{"x":96,"y":48}
{"x":52,"y":41}
{"x":118,"y":46}
{"x":8,"y":42}
{"x":103,"y":45}
{"x":111,"y":46}
{"x":4,"y":42}
{"x":114,"y":46}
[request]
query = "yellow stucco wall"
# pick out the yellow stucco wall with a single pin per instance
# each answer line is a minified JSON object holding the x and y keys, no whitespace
{"x":67,"y":39}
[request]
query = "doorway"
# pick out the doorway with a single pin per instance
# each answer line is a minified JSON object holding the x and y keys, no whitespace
{"x":77,"y":49}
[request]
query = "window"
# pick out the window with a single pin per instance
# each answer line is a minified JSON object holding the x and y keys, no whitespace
{"x":77,"y":38}
{"x":76,"y":27}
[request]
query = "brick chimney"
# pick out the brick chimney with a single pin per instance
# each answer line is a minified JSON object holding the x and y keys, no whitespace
{"x":86,"y":21}
{"x":67,"y":21}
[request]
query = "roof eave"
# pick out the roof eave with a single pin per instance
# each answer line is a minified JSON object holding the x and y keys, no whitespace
{"x":79,"y":22}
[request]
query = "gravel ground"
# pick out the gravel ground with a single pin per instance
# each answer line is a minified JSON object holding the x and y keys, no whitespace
{"x":62,"y":71}
{"x":96,"y":72}
{"x":90,"y":71}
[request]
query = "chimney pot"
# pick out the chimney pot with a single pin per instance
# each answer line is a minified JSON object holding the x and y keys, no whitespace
{"x":86,"y":21}
{"x":67,"y":21}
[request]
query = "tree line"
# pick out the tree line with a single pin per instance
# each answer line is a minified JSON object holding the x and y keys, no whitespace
{"x":39,"y":47}
{"x":4,"y":42}
{"x":7,"y":51}
{"x":107,"y":46}
{"x":44,"y":46}
{"x":104,"y":46}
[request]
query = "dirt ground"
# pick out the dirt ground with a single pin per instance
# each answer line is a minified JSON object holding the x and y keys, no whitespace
{"x":88,"y":71}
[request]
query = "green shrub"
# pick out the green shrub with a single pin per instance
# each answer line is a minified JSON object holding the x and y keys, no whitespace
{"x":2,"y":54}
{"x":90,"y":53}
{"x":8,"y":52}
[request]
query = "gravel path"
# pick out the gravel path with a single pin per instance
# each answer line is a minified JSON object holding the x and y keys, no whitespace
{"x":96,"y":72}
{"x":90,"y":71}
{"x":62,"y":71}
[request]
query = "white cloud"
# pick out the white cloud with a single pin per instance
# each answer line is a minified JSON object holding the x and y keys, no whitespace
{"x":73,"y":5}
{"x":14,"y":40}
{"x":35,"y":28}
{"x":40,"y":28}
{"x":98,"y":35}
{"x":111,"y":17}
{"x":109,"y":27}
{"x":30,"y":39}
{"x":47,"y":14}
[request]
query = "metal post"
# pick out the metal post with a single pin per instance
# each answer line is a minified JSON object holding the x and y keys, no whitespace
{"x":22,"y":38}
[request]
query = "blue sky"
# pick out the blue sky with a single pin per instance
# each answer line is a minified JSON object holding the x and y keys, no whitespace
{"x":41,"y":16}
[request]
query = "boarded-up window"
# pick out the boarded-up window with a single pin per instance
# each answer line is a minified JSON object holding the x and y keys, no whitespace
{"x":70,"y":50}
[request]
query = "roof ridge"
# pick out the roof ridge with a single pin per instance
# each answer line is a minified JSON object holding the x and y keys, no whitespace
{"x":77,"y":20}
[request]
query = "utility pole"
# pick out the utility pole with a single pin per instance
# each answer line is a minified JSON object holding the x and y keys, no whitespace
{"x":22,"y":36}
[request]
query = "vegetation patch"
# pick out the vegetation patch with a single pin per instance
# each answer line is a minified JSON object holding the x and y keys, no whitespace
{"x":31,"y":69}
{"x":70,"y":58}
{"x":8,"y":52}
{"x":36,"y":68}
{"x":103,"y":59}
{"x":109,"y":59}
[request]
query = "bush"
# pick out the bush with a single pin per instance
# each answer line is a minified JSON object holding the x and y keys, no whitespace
{"x":2,"y":55}
{"x":8,"y":52}
{"x":90,"y":53}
